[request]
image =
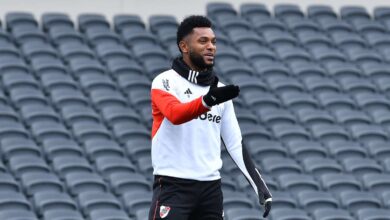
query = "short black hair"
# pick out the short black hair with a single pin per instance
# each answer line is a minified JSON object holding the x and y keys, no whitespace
{"x":188,"y":24}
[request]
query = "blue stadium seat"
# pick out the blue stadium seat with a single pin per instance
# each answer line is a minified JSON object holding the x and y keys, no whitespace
{"x":20,"y":20}
{"x":92,"y":21}
{"x":29,"y":36}
{"x":8,"y":114}
{"x":123,"y":183}
{"x":373,"y":213}
{"x":8,"y":183}
{"x":346,"y":149}
{"x":354,"y":13}
{"x":125,"y":21}
{"x":9,"y":51}
{"x":369,"y":132}
{"x":53,"y":201}
{"x":376,"y":182}
{"x":350,"y":117}
{"x":378,"y":149}
{"x":90,"y":201}
{"x":55,"y":148}
{"x":289,"y":214}
{"x":22,"y":164}
{"x":312,"y":200}
{"x":102,"y":214}
{"x":311,"y":117}
{"x":369,"y":27}
{"x":331,"y":214}
{"x":64,"y":165}
{"x":304,"y":70}
{"x":60,"y":35}
{"x":135,"y":202}
{"x":321,"y":12}
{"x":32,"y":114}
{"x":108,"y":165}
{"x":319,"y":166}
{"x":254,"y":11}
{"x":14,"y":130}
{"x":312,"y":40}
{"x":102,"y":37}
{"x":306,"y":149}
{"x":74,"y":52}
{"x":361,"y":166}
{"x":5,"y":38}
{"x":340,"y":182}
{"x":41,"y":182}
{"x":336,"y":25}
{"x":18,"y":214}
{"x":52,"y":19}
{"x":348,"y":41}
{"x":81,"y":182}
{"x":220,"y":10}
{"x":49,"y":131}
{"x":288,"y":11}
{"x":355,"y":201}
{"x":11,"y":147}
{"x":302,"y":26}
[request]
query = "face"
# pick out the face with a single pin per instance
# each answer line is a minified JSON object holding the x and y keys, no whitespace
{"x":200,"y":48}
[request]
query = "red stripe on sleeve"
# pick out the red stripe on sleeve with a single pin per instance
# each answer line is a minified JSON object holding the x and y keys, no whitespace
{"x":165,"y":105}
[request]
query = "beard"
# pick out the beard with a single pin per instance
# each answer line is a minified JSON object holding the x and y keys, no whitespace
{"x":199,"y":62}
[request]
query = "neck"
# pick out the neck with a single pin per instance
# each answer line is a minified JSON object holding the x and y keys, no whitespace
{"x":187,"y":60}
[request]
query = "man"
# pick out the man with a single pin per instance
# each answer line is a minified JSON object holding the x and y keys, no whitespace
{"x":191,"y":112}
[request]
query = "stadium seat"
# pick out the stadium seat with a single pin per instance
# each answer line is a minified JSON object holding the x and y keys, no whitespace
{"x":340,"y":182}
{"x":276,"y":116}
{"x":336,"y":25}
{"x":254,"y":11}
{"x":124,"y":21}
{"x":8,"y":115}
{"x":22,"y":164}
{"x":90,"y":201}
{"x":311,"y":117}
{"x":125,"y":182}
{"x":350,"y":117}
{"x":319,"y":166}
{"x":41,"y":182}
{"x":307,"y":70}
{"x":50,"y":201}
{"x":95,"y":148}
{"x":336,"y":101}
{"x":289,"y":132}
{"x":312,"y":40}
{"x":373,"y":213}
{"x":236,"y":200}
{"x":321,"y":12}
{"x":81,"y":182}
{"x":60,"y":36}
{"x":92,"y":21}
{"x":18,"y":214}
{"x":14,"y":201}
{"x":51,"y":19}
{"x":361,"y":166}
{"x":55,"y":148}
{"x":268,"y":24}
{"x":378,"y":150}
{"x":102,"y":214}
{"x":346,"y":149}
{"x":312,"y":200}
{"x":303,"y":26}
{"x":34,"y":114}
{"x":73,"y":52}
{"x":108,"y":165}
{"x":9,"y":51}
{"x":299,"y":100}
{"x":59,"y":214}
{"x":8,"y":183}
{"x":280,"y":166}
{"x":20,"y":20}
{"x":289,"y":214}
{"x":376,"y":182}
{"x":306,"y":149}
{"x":39,"y":51}
{"x":288,"y":11}
{"x":281,"y":85}
{"x":331,"y":214}
{"x":112,"y":52}
{"x":102,"y":37}
{"x":220,"y":10}
{"x":354,"y":13}
{"x":64,"y":165}
{"x":242,"y":213}
{"x":355,"y":201}
{"x":14,"y":130}
{"x":283,"y":199}
{"x":29,"y":36}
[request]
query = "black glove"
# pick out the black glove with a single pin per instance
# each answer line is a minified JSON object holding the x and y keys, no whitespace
{"x":267,"y":207}
{"x":217,"y":95}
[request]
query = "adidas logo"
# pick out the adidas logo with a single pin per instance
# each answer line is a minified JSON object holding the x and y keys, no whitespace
{"x":188,"y":92}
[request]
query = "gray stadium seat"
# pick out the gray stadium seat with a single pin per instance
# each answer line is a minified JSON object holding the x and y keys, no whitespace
{"x":354,"y":13}
{"x":89,"y":21}
{"x":23,"y":20}
{"x":254,"y":11}
{"x":9,"y":51}
{"x":346,"y":149}
{"x":22,"y":164}
{"x":14,"y":201}
{"x":53,"y":201}
{"x":289,"y":214}
{"x":220,"y":10}
{"x":55,"y":148}
{"x":373,"y":213}
{"x":123,"y":21}
{"x":41,"y":182}
{"x":95,"y":148}
{"x":59,"y":214}
{"x":108,"y":165}
{"x":90,"y":201}
{"x":81,"y":182}
{"x":331,"y":214}
{"x":313,"y":40}
{"x":125,"y":182}
{"x":306,"y":149}
{"x":319,"y":166}
{"x":340,"y":182}
{"x":113,"y":52}
{"x":359,"y":200}
{"x":61,"y":35}
{"x":361,"y":166}
{"x":236,"y":200}
{"x":8,"y":183}
{"x":237,"y":213}
{"x":312,"y":200}
{"x":311,"y":117}
{"x":18,"y":214}
{"x":296,"y":182}
{"x":64,"y":165}
{"x":280,"y":166}
{"x":378,"y":150}
{"x":103,"y":214}
{"x":288,"y":11}
{"x":376,"y":182}
{"x":51,"y":19}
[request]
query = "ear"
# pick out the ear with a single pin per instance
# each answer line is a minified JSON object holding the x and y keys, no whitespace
{"x":183,"y":46}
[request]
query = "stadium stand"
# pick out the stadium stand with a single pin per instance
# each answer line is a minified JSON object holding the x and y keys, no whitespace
{"x":314,"y":111}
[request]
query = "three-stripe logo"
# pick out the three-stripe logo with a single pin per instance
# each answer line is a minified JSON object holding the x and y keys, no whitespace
{"x":192,"y":76}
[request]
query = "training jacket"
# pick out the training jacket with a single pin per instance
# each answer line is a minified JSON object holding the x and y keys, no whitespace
{"x":186,"y":133}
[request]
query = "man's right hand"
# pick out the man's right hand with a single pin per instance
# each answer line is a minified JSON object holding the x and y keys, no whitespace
{"x":217,"y":95}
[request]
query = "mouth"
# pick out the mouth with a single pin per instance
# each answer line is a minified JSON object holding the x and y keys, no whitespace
{"x":209,"y":57}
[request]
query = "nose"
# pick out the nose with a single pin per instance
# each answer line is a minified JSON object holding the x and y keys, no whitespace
{"x":211,"y":46}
